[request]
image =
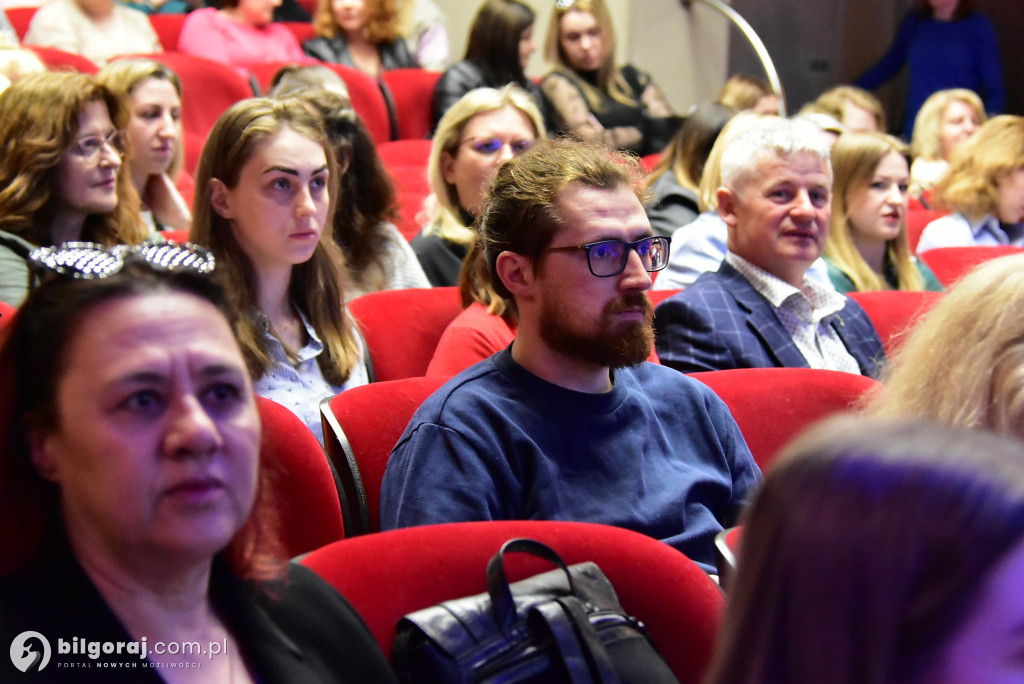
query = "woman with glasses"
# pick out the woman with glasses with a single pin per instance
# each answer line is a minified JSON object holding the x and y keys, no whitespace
{"x":154,"y":128}
{"x":137,"y":513}
{"x":619,"y":107}
{"x":867,"y":246}
{"x":62,"y":177}
{"x":500,"y":45}
{"x":264,"y":205}
{"x":480,"y":132}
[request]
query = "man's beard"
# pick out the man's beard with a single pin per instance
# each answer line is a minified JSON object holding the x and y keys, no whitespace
{"x":611,"y":345}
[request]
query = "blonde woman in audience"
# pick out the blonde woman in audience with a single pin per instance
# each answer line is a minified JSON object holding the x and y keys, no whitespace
{"x":984,"y":188}
{"x":880,"y":552}
{"x":963,"y":362}
{"x":96,"y":29}
{"x":377,"y":255}
{"x":946,"y":119}
{"x":62,"y":178}
{"x":361,"y":34}
{"x":264,"y":206}
{"x":480,"y":132}
{"x":156,"y":137}
{"x":592,"y":97}
{"x":742,"y":92}
{"x":675,"y":179}
{"x":856,"y":109}
{"x":867,"y":246}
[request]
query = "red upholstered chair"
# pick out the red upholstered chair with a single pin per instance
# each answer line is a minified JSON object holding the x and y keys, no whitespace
{"x":773,"y":405}
{"x":58,"y":60}
{"x":917,"y":220}
{"x":390,"y":574}
{"x":402,"y":327}
{"x":20,"y":18}
{"x":950,"y":263}
{"x":363,"y":91}
{"x":658,"y":296}
{"x":303,"y":485}
{"x":649,"y":161}
{"x":6,"y":314}
{"x":302,"y":30}
{"x":209,"y":89}
{"x":167,"y":26}
{"x":894,"y":312}
{"x":401,"y":153}
{"x":412,"y":91}
{"x":359,"y":437}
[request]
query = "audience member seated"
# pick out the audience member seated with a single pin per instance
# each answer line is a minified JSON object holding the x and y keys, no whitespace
{"x":867,"y":246}
{"x":984,"y":188}
{"x":880,"y":551}
{"x":760,"y":309}
{"x":699,"y":247}
{"x":157,"y":149}
{"x":486,"y":325}
{"x":856,"y":109}
{"x":135,"y":503}
{"x":567,"y":244}
{"x":95,"y":29}
{"x":424,"y":28}
{"x":674,"y":181}
{"x":377,"y":256}
{"x":945,"y":120}
{"x":743,"y":92}
{"x":481,"y":131}
{"x":61,"y":174}
{"x":945,"y":44}
{"x":263,"y":203}
{"x":592,"y":98}
{"x":961,"y":364}
{"x":292,"y":80}
{"x":361,"y":34}
{"x":240,"y":33}
{"x":500,"y":45}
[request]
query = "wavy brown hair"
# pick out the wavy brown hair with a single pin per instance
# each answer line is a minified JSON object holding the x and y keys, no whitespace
{"x":979,"y":164}
{"x":39,"y":117}
{"x":316,"y":286}
{"x":381,"y":21}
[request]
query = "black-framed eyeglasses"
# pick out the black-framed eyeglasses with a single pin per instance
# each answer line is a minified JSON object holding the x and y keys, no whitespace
{"x":90,"y":146}
{"x":608,"y":258}
{"x":489,"y":146}
{"x":89,"y":260}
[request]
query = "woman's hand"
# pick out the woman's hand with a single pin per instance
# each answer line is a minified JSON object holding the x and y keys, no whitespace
{"x":168,"y":206}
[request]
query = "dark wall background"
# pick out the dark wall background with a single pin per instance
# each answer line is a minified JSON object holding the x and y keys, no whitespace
{"x":816,"y":45}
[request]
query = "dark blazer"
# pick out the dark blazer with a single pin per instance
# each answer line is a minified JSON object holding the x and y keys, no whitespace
{"x":722,"y":322}
{"x":302,"y":631}
{"x":393,"y":55}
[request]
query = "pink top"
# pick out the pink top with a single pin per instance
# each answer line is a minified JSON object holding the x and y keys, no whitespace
{"x":208,"y":33}
{"x":473,"y":336}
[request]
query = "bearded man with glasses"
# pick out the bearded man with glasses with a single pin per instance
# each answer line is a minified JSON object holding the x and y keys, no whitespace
{"x":569,"y":422}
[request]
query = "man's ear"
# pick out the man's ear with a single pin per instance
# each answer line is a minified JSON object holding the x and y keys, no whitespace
{"x":727,"y":202}
{"x":219,"y":199}
{"x":41,"y":454}
{"x":516,"y":272}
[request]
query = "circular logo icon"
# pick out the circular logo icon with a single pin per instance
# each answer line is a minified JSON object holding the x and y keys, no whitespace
{"x":30,"y":651}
